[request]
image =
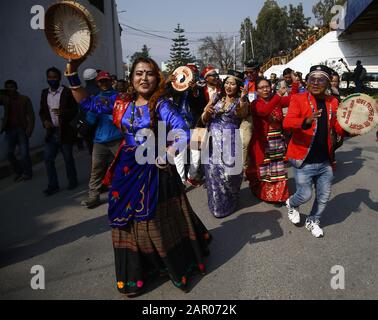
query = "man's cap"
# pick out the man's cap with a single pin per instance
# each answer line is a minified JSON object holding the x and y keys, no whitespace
{"x":252,"y":64}
{"x":102,"y":75}
{"x":89,"y":74}
{"x":208,"y":70}
{"x":326,"y":71}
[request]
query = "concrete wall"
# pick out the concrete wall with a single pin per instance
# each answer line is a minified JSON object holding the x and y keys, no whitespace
{"x":357,"y":46}
{"x":25,"y":53}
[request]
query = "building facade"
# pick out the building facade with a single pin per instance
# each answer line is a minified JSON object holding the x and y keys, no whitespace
{"x":26,"y":54}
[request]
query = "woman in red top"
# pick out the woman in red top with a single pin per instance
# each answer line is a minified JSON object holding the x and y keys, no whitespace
{"x":267,"y":172}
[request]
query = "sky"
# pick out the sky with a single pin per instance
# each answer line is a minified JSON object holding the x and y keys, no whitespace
{"x":199,"y":18}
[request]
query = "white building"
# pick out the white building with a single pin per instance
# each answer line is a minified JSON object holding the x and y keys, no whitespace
{"x":357,"y":39}
{"x":26,"y":55}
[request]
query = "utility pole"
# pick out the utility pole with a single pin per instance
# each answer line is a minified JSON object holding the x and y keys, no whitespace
{"x":253,"y":51}
{"x":245,"y":44}
{"x":234,"y":52}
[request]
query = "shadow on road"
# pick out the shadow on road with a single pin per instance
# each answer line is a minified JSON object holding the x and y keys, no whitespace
{"x":247,"y":228}
{"x":247,"y":199}
{"x":348,"y":163}
{"x":345,"y":204}
{"x":60,"y":238}
{"x":229,"y":238}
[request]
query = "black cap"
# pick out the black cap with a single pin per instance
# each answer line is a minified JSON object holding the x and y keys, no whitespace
{"x":236,"y":74}
{"x":322,"y":68}
{"x":252,"y":64}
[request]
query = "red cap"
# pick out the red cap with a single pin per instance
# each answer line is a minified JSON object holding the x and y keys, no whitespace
{"x":103,"y":75}
{"x":206,"y":71}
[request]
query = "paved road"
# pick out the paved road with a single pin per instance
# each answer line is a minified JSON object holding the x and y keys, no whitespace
{"x":256,"y":253}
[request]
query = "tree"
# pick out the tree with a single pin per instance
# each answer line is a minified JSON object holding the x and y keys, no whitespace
{"x":272,"y":35}
{"x":218,"y":51}
{"x":247,"y":33}
{"x":322,"y":11}
{"x":145,"y":53}
{"x":180,"y":52}
{"x":298,"y":26}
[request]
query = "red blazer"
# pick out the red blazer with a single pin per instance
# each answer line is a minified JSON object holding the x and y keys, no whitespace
{"x":301,"y":140}
{"x":261,"y":114}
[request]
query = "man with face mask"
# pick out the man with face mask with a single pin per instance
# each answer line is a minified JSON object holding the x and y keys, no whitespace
{"x":58,"y":109}
{"x":18,"y":125}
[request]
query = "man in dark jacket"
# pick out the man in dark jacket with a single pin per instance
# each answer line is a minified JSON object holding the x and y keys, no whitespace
{"x":58,"y":109}
{"x":18,"y":125}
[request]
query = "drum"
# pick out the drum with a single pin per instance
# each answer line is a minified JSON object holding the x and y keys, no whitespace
{"x":70,"y":30}
{"x":184,"y":76}
{"x":358,"y":114}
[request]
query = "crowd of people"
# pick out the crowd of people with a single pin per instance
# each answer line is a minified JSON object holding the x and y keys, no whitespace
{"x":270,"y":123}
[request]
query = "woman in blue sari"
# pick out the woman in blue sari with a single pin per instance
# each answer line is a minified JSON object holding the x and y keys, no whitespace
{"x":154,"y":229}
{"x":224,"y":168}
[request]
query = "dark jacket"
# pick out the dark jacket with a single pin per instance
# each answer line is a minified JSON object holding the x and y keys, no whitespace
{"x":68,"y":109}
{"x":26,"y":117}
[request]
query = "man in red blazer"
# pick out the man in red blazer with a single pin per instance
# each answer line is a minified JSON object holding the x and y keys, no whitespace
{"x":310,"y":118}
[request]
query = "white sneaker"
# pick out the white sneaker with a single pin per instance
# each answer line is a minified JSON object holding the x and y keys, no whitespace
{"x":292,"y":213}
{"x":313,"y":226}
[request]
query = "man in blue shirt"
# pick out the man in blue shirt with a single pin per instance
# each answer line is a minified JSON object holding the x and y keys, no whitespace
{"x":105,"y":144}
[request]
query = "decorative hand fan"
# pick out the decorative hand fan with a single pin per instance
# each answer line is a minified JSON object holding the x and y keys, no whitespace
{"x":70,"y":30}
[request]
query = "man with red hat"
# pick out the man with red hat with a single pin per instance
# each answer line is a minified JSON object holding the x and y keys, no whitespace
{"x":106,"y":141}
{"x":251,"y":73}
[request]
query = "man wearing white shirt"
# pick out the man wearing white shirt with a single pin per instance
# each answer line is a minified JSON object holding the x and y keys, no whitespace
{"x":58,"y":109}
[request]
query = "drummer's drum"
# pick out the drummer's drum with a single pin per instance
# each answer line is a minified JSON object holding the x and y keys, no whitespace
{"x":358,"y":114}
{"x":184,"y":76}
{"x":70,"y":30}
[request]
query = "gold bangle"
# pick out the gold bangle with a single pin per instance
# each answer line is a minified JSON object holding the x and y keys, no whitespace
{"x":70,"y":74}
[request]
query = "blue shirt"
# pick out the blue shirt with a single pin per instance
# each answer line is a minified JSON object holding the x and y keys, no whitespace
{"x":106,"y":131}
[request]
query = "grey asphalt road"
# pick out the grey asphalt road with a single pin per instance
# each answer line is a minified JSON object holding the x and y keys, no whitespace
{"x":256,"y":252}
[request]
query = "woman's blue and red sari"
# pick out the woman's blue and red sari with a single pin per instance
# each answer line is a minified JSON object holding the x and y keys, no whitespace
{"x":154,"y":229}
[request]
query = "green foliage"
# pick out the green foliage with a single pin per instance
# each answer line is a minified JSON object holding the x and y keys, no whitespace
{"x":180,"y":52}
{"x":298,"y":26}
{"x":247,"y":35}
{"x":322,"y":11}
{"x":141,"y":54}
{"x":277,"y":32}
{"x":271,"y":31}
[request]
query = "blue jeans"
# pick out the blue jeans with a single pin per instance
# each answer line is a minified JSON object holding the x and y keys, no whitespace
{"x":321,"y":175}
{"x":14,"y":137}
{"x":51,"y":151}
{"x":359,"y":85}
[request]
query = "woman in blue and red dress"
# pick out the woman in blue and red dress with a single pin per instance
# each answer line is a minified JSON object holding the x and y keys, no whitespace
{"x":154,"y":229}
{"x":267,"y":172}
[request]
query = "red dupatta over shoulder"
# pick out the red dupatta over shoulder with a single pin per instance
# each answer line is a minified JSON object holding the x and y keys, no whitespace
{"x":120,"y":106}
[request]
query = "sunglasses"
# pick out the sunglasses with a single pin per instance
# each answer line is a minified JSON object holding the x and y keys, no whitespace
{"x":321,"y":80}
{"x":215,"y":75}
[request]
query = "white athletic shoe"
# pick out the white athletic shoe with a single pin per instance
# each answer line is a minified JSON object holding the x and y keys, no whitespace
{"x":315,"y":229}
{"x":293,"y":213}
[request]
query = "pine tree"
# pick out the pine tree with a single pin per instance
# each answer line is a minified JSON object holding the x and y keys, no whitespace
{"x":145,"y":53}
{"x":180,"y":52}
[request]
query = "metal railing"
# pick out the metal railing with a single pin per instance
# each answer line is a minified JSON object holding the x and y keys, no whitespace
{"x":297,"y":51}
